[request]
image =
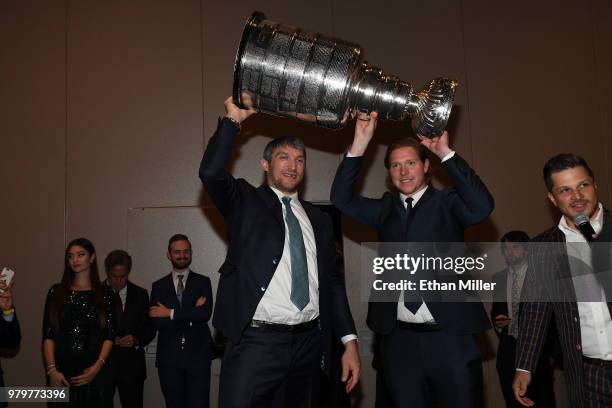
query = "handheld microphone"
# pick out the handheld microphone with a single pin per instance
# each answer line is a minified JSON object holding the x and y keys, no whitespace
{"x":585,"y":227}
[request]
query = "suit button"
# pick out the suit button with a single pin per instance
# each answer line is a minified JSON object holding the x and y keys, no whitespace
{"x":263,"y":288}
{"x":575,"y":319}
{"x":190,"y":324}
{"x":275,"y":261}
{"x":578,"y":347}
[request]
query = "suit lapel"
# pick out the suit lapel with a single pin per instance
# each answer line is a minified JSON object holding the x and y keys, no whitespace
{"x":424,"y":198}
{"x":169,"y":284}
{"x":273,"y":204}
{"x":129,"y":299}
{"x":401,"y":207}
{"x":503,"y":285}
{"x":189,"y":289}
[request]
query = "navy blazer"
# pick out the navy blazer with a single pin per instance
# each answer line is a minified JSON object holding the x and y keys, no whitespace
{"x":438,"y":216}
{"x":190,"y":321}
{"x":256,"y":232}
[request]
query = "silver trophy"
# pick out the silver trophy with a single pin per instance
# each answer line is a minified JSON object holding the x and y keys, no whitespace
{"x":323,"y":80}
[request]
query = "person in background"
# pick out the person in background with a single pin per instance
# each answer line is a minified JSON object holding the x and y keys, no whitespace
{"x":134,"y":330}
{"x":181,"y":306}
{"x":505,"y":318}
{"x":10,"y":333}
{"x":78,"y":329}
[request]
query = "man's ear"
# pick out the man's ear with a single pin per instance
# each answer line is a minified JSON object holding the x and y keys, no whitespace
{"x":426,"y":166}
{"x":551,"y":197}
{"x":265,"y":165}
{"x":168,"y":256}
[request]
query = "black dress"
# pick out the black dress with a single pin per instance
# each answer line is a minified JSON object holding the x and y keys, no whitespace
{"x":78,"y":341}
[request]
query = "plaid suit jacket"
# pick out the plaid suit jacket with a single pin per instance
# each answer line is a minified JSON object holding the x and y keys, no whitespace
{"x":549,"y":278}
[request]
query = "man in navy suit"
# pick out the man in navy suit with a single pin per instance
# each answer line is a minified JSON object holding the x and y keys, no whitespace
{"x":427,"y":351}
{"x":181,"y":305}
{"x":133,"y":331}
{"x":280,"y":294}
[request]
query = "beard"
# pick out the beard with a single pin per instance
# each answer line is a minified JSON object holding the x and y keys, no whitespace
{"x":181,"y":263}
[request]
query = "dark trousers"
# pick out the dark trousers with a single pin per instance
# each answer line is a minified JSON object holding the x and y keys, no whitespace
{"x":271,"y":369}
{"x":130,"y":391}
{"x":185,"y":386}
{"x":432,"y":369}
{"x":540,"y":390}
{"x":597,"y":385}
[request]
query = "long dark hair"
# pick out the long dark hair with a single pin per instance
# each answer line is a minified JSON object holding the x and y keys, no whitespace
{"x":62,"y":291}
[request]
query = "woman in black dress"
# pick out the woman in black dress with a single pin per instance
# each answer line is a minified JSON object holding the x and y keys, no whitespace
{"x":78,"y":328}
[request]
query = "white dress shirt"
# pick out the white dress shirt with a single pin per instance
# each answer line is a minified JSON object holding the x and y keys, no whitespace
{"x":123,"y":296}
{"x":595,"y":321}
{"x":275,"y":305}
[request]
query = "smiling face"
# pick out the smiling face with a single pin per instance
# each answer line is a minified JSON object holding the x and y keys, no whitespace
{"x":285,"y":170}
{"x":408,"y":173}
{"x":179,"y":254}
{"x":574,"y":192}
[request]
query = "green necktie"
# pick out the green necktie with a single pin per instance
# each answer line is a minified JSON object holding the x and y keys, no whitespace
{"x":299,"y":269}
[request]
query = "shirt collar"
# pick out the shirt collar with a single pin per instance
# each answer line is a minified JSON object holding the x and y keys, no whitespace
{"x":280,"y":195}
{"x":122,"y":290}
{"x":175,"y":275}
{"x":415,"y":196}
{"x":521,"y":269}
{"x":596,"y":222}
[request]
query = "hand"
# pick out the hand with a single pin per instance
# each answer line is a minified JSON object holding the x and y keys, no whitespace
{"x":159,"y":311}
{"x":364,"y":130}
{"x":6,"y":297}
{"x":127,"y":341}
{"x":519,"y":386}
{"x":88,"y":375}
{"x":437,"y":145}
{"x":201,"y":301}
{"x":502,"y":321}
{"x":236,"y":113}
{"x":57,"y":379}
{"x":351,"y":367}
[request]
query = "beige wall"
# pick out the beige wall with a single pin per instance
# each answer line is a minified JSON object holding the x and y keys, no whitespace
{"x":105,"y":108}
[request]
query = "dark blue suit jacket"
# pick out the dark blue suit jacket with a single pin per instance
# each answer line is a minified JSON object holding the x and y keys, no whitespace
{"x":439,"y":216}
{"x":256,"y":232}
{"x":190,"y":321}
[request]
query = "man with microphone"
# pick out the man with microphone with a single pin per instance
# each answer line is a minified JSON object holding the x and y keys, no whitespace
{"x":580,"y":305}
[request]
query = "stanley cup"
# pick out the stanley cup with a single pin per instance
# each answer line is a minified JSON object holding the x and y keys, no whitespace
{"x":323,"y":80}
